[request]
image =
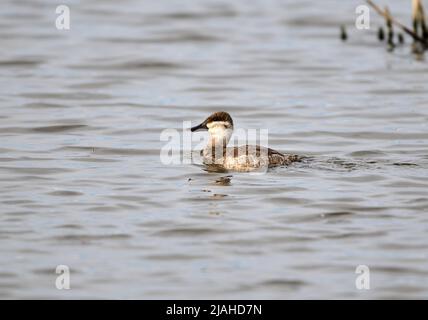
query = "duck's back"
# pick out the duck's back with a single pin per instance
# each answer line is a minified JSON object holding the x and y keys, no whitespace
{"x":248,"y":157}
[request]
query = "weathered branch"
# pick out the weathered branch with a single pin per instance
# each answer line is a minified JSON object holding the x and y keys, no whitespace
{"x":389,"y":17}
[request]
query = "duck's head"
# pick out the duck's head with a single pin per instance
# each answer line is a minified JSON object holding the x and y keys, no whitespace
{"x":219,"y":125}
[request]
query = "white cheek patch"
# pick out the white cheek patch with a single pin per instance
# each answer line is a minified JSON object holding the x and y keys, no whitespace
{"x":219,"y":132}
{"x":217,"y":124}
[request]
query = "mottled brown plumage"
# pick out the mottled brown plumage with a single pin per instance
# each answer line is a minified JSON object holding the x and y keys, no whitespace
{"x":275,"y":157}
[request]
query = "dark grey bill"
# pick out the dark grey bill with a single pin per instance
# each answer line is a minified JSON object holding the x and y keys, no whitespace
{"x":200,"y":127}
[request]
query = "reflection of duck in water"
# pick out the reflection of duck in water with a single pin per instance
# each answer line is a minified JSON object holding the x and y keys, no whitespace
{"x":243,"y":158}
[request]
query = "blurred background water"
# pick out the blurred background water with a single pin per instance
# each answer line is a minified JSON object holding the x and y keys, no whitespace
{"x":82,"y":184}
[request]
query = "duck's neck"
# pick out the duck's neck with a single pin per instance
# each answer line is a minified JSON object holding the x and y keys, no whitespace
{"x":216,"y":147}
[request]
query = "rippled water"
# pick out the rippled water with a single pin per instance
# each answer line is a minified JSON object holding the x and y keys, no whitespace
{"x":82,"y":184}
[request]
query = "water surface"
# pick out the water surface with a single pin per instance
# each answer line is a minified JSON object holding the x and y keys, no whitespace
{"x":82,"y":184}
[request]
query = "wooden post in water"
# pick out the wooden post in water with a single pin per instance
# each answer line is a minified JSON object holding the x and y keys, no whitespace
{"x":381,"y":34}
{"x":390,"y":32}
{"x":418,"y":18}
{"x":343,"y":34}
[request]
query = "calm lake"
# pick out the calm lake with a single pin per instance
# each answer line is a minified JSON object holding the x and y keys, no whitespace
{"x":82,"y":184}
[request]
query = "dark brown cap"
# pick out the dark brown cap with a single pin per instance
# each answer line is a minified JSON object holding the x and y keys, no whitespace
{"x":217,"y":116}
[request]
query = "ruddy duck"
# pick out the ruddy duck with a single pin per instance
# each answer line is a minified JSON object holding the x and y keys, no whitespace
{"x":243,"y":158}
